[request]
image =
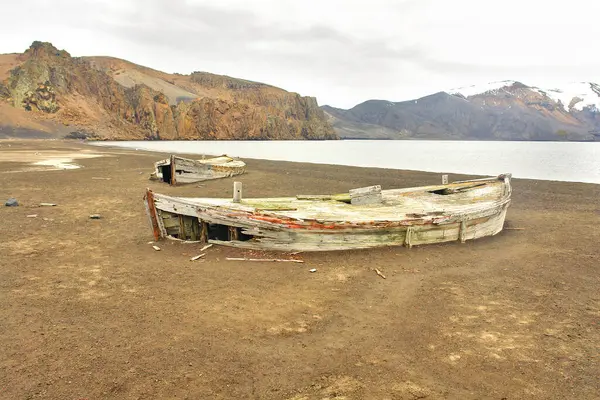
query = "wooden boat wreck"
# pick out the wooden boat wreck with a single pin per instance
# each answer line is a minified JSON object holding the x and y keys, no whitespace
{"x":176,"y":169}
{"x":362,"y":218}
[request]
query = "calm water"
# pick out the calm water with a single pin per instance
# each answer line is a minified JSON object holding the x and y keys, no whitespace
{"x":576,"y":162}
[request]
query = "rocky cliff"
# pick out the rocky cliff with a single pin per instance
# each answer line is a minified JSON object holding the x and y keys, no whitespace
{"x":505,"y":110}
{"x":109,"y":98}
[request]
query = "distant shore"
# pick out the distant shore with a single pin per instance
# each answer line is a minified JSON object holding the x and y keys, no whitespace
{"x":568,"y":162}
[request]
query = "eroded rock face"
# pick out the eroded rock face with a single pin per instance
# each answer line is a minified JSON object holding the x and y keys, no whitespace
{"x":43,"y":98}
{"x":4,"y":92}
{"x":72,"y":91}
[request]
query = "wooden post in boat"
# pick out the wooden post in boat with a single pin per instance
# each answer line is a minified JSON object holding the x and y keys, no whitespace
{"x":203,"y":232}
{"x":173,"y":170}
{"x":195,"y":229}
{"x":237,"y":192}
{"x":408,"y":237}
{"x":233,"y":233}
{"x":444,"y":179}
{"x":152,"y":212}
{"x":182,"y":234}
{"x":462,"y":231}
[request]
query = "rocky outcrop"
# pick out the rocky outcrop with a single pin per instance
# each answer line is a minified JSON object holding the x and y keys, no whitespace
{"x":76,"y":91}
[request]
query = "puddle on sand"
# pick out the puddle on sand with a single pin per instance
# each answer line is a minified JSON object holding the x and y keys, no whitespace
{"x":48,"y":160}
{"x":58,"y":163}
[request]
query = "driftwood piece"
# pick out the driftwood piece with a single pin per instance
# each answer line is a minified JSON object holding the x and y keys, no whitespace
{"x":378,"y":272}
{"x":208,"y":246}
{"x":47,"y":205}
{"x":197,"y":257}
{"x":96,"y":178}
{"x":181,"y":240}
{"x":263,"y":259}
{"x":156,"y":248}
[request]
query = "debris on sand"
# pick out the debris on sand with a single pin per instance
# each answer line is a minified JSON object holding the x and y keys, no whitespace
{"x":156,"y":248}
{"x":312,"y":270}
{"x":197,"y":257}
{"x":47,"y":205}
{"x":32,"y":216}
{"x":262,"y":259}
{"x":12,"y":202}
{"x":95,"y":216}
{"x":378,"y":272}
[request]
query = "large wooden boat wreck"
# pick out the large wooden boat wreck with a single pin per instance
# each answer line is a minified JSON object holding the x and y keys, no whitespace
{"x":362,"y":218}
{"x":174,"y":169}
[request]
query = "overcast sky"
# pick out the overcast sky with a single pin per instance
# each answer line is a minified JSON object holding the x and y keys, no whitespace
{"x":341,"y":51}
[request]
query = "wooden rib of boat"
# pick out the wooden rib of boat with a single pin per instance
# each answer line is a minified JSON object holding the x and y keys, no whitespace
{"x":362,"y":218}
{"x":174,"y":169}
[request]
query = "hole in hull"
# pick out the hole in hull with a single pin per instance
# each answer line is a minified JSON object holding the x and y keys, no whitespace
{"x":227,"y":233}
{"x":186,"y":227}
{"x":218,"y":232}
{"x":443,"y":192}
{"x":166,"y":173}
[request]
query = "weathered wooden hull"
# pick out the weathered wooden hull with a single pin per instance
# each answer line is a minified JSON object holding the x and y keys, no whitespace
{"x":178,"y":170}
{"x":458,"y":211}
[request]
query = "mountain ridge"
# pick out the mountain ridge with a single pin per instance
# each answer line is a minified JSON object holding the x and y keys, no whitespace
{"x":505,"y":110}
{"x":109,"y":98}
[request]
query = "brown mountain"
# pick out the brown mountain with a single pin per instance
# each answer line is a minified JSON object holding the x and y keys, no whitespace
{"x":501,"y":111}
{"x":46,"y":91}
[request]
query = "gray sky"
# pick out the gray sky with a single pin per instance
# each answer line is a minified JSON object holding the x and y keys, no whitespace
{"x":341,"y":51}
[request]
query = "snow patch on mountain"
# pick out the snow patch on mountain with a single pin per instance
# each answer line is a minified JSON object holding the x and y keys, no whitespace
{"x":572,"y":96}
{"x":492,"y":88}
{"x":578,"y":95}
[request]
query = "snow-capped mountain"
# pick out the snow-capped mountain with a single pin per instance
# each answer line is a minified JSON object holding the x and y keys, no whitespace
{"x":571,"y":96}
{"x":504,"y":110}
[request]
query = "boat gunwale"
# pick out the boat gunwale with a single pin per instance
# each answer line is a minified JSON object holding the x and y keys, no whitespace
{"x":249,"y":217}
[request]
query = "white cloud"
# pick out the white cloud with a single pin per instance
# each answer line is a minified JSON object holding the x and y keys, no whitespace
{"x":342,"y":51}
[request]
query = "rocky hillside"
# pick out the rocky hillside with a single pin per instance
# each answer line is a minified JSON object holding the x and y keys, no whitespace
{"x":499,"y":111}
{"x":108,"y":98}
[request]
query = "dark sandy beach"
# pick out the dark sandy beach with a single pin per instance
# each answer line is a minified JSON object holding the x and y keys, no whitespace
{"x":90,"y":311}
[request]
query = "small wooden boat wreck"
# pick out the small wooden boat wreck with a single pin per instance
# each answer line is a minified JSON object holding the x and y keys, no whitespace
{"x":176,"y":169}
{"x":362,"y":218}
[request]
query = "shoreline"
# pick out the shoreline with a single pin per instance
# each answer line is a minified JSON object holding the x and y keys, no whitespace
{"x":194,"y":154}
